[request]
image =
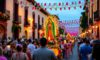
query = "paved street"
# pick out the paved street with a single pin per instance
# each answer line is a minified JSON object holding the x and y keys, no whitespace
{"x":74,"y":56}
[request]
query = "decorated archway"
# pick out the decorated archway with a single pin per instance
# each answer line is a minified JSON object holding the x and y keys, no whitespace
{"x":50,"y":27}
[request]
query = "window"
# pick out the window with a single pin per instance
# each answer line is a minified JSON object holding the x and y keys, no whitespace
{"x":33,"y":15}
{"x":2,"y":6}
{"x":42,"y":21}
{"x":38,"y":24}
{"x":15,"y":11}
{"x":26,"y":17}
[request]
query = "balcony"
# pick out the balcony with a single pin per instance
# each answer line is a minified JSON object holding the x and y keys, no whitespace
{"x":96,"y":16}
{"x":5,"y":16}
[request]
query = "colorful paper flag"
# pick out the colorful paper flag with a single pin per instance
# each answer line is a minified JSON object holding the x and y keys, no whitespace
{"x":80,"y":6}
{"x":72,"y":3}
{"x":50,"y":8}
{"x":66,"y":3}
{"x":59,"y":4}
{"x":68,"y":8}
{"x":49,"y":4}
{"x":60,"y":8}
{"x":79,"y":2}
{"x":44,"y":4}
{"x":33,"y":8}
{"x":38,"y":4}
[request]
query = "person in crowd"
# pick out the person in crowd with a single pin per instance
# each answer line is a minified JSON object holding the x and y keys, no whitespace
{"x":7,"y":52}
{"x":19,"y":55}
{"x":1,"y":55}
{"x":43,"y":53}
{"x":85,"y":49}
{"x":96,"y":50}
{"x":19,"y":41}
{"x":25,"y":50}
{"x":62,"y":48}
{"x":31,"y":47}
{"x":71,"y":47}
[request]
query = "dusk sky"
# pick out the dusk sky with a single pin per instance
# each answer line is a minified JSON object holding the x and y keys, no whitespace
{"x":66,"y":15}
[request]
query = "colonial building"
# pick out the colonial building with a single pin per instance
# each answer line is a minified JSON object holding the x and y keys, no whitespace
{"x":93,"y":8}
{"x":24,"y":19}
{"x":4,"y":17}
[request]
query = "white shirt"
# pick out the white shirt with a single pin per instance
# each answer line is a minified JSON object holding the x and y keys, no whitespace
{"x":32,"y":48}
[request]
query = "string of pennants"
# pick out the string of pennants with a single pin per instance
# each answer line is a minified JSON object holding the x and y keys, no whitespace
{"x":55,"y":6}
{"x":69,"y":22}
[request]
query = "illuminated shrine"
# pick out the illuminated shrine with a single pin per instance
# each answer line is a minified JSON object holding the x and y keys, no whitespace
{"x":50,"y":27}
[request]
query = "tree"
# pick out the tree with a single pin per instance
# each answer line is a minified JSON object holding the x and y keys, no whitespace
{"x":61,"y":31}
{"x":84,"y":21}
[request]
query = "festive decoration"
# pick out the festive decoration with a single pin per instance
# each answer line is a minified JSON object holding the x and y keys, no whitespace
{"x":59,"y":5}
{"x":44,"y":4}
{"x":68,"y":8}
{"x":33,"y":8}
{"x":80,"y":6}
{"x":79,"y":2}
{"x":66,"y":3}
{"x":38,"y":4}
{"x":49,"y":4}
{"x":60,"y":8}
{"x":72,"y":3}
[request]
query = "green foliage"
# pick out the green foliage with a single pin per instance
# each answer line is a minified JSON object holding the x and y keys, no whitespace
{"x":91,"y":21}
{"x":16,"y":28}
{"x":61,"y":31}
{"x":84,"y":21}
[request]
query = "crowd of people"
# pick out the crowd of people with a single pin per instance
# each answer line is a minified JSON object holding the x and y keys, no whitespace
{"x":23,"y":49}
{"x":26,"y":50}
{"x":89,"y":49}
